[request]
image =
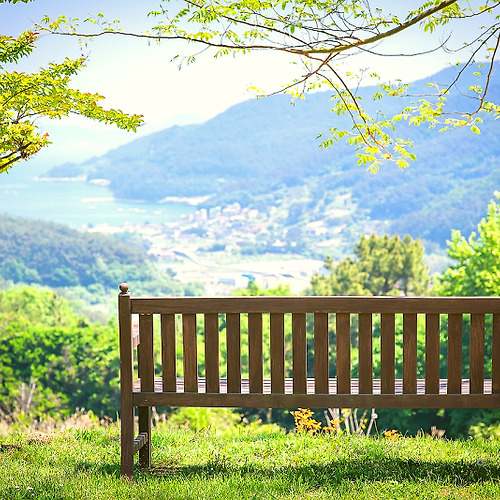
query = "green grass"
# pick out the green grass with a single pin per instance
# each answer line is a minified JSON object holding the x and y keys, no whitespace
{"x":84,"y":464}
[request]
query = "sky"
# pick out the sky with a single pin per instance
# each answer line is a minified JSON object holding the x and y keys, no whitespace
{"x":138,"y":77}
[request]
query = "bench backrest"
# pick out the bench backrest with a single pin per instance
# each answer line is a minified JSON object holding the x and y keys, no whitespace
{"x":362,"y":338}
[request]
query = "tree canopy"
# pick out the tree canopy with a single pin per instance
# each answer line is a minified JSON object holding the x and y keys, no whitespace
{"x":26,"y":97}
{"x":382,"y":265}
{"x":476,"y":268}
{"x":68,"y":362}
{"x":320,"y":34}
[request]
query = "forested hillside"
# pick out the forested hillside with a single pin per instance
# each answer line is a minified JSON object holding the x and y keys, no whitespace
{"x":267,"y":145}
{"x":54,"y":255}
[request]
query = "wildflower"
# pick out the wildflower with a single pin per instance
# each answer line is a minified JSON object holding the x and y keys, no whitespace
{"x":304,"y":421}
{"x":479,"y":461}
{"x":392,"y":434}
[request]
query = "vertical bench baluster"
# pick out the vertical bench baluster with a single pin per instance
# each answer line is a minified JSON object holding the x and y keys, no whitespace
{"x":233,"y":342}
{"x":343,"y":333}
{"x":168,"y":354}
{"x":432,"y":353}
{"x":299,"y":342}
{"x":454,"y":353}
{"x":146,"y":374}
{"x":365,"y":346}
{"x":495,"y":362}
{"x":212,"y":352}
{"x":190,"y":353}
{"x":321,"y":353}
{"x":387,"y":352}
{"x":476,"y":354}
{"x":255,"y":372}
{"x":277,"y":339}
{"x":409,"y":353}
{"x":145,"y":352}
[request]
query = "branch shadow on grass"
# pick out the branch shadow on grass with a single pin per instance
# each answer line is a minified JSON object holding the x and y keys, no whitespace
{"x":363,"y":469}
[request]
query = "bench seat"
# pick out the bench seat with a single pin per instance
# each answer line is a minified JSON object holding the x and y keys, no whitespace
{"x":332,"y":383}
{"x":245,"y":399}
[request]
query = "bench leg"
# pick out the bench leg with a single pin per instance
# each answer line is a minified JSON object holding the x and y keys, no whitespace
{"x":127,"y":442}
{"x":145,"y":426}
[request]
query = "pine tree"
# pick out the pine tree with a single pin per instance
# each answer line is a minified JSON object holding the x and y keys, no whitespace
{"x":382,"y":265}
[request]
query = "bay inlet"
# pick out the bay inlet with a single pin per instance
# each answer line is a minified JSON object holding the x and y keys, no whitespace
{"x":77,"y":203}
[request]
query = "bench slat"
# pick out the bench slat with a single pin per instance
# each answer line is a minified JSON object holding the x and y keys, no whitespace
{"x":310,"y":388}
{"x":476,"y":360}
{"x":376,"y":305}
{"x":145,"y":352}
{"x":147,"y":374}
{"x":432,"y":338}
{"x":387,"y":352}
{"x":190,"y":352}
{"x":233,"y":342}
{"x":136,"y":339}
{"x":212,"y":352}
{"x":299,"y":346}
{"x":277,"y":340}
{"x":321,"y":353}
{"x":365,"y":344}
{"x":168,"y":352}
{"x":410,"y":353}
{"x":343,"y":332}
{"x":255,"y":352}
{"x":454,"y":353}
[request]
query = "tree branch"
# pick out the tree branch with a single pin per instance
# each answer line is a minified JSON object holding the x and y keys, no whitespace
{"x":290,"y":49}
{"x":423,"y":15}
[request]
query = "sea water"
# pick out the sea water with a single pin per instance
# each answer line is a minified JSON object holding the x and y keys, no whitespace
{"x":78,"y":203}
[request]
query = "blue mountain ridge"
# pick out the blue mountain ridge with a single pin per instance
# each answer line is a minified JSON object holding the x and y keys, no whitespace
{"x":266,"y":144}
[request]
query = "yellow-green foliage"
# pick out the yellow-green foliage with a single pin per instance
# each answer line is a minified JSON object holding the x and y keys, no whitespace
{"x":24,"y":97}
{"x":476,"y":269}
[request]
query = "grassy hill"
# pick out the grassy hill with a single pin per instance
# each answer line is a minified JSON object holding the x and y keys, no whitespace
{"x":82,"y":461}
{"x":261,"y":147}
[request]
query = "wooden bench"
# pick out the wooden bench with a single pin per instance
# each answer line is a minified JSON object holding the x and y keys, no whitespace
{"x":302,"y":366}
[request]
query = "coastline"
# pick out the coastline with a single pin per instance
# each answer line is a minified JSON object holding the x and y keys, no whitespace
{"x":188,"y":200}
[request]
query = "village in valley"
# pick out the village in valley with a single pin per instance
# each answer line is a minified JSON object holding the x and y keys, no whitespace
{"x":225,"y":247}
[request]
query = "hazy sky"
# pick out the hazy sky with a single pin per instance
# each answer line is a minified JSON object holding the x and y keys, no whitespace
{"x":139,"y":78}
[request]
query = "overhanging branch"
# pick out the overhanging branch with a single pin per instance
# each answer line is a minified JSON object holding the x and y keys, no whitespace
{"x":297,"y":50}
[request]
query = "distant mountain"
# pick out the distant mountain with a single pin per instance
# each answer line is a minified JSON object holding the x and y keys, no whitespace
{"x":260,"y":146}
{"x":237,"y":149}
